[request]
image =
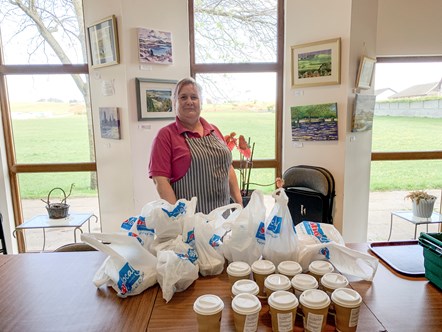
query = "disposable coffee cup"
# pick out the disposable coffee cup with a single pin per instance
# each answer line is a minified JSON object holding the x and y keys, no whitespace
{"x":237,"y":271}
{"x":330,"y":282}
{"x":246,"y":308}
{"x":302,"y":282}
{"x":276,"y":282}
{"x":289,"y":268}
{"x":315,"y":303}
{"x":208,"y":309}
{"x":283,"y":306}
{"x":347,"y":303}
{"x":319,"y":268}
{"x":245,"y":286}
{"x":262,"y":269}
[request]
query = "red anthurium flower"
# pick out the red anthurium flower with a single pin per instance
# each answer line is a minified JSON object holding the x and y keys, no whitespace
{"x":230,"y":140}
{"x":243,"y":147}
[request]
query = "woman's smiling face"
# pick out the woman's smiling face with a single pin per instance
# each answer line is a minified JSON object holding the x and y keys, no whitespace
{"x":188,"y":104}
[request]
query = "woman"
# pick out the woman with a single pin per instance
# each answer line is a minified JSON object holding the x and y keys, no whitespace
{"x":190,"y":157}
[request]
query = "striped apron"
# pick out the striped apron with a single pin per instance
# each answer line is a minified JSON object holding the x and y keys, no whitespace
{"x":208,"y":175}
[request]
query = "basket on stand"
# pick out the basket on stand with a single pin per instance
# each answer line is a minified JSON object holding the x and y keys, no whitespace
{"x":58,"y":210}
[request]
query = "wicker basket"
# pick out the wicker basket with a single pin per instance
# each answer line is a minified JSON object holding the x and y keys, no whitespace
{"x":57,"y":210}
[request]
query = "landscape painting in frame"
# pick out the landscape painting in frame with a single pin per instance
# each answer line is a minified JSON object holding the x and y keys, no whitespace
{"x":363,"y":112}
{"x":154,"y":46}
{"x":315,"y":122}
{"x":109,"y":122}
{"x":154,"y":98}
{"x":316,"y":64}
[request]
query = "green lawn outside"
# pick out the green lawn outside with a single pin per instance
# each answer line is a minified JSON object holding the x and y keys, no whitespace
{"x":63,"y":139}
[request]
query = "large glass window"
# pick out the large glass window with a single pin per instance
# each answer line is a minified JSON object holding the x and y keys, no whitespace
{"x":46,"y":115}
{"x":237,"y":57}
{"x":407,"y":138}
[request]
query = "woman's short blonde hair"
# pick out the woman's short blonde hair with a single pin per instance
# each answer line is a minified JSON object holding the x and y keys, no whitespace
{"x":183,"y":82}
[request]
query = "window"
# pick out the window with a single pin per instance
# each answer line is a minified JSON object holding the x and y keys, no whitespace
{"x":237,"y":57}
{"x":46,"y":117}
{"x":407,"y":135}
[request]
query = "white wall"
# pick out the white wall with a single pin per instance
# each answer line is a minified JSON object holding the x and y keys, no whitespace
{"x":123,"y":184}
{"x":409,"y":27}
{"x":348,"y":159}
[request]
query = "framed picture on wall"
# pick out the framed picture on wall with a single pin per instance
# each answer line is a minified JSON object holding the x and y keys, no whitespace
{"x":154,"y":98}
{"x":365,"y":73}
{"x":103,"y":42}
{"x":316,"y":64}
{"x":109,"y":122}
{"x":154,"y":46}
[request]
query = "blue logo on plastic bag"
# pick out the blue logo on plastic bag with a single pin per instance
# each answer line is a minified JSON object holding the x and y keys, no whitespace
{"x":261,"y":233}
{"x":274,"y":227}
{"x":177,"y":211}
{"x":135,"y":235}
{"x":142,"y":228}
{"x":127,"y":224}
{"x":191,"y":255}
{"x":315,"y":229}
{"x":129,"y":279}
{"x":325,"y":252}
{"x":215,"y":241}
{"x":190,"y":237}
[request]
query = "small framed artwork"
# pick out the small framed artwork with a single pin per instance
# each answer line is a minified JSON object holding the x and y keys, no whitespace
{"x":363,"y":112}
{"x":154,"y":98}
{"x":109,"y":122}
{"x":365,"y":73}
{"x":103,"y":42}
{"x":154,"y":46}
{"x":316,"y":64}
{"x":315,"y":122}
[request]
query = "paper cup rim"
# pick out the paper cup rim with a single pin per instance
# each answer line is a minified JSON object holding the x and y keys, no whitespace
{"x":214,"y":302}
{"x":263,"y":267}
{"x":291,"y":268}
{"x":238,"y":272}
{"x":314,"y":299}
{"x":287,"y":300}
{"x":250,"y":304}
{"x":346,"y":297}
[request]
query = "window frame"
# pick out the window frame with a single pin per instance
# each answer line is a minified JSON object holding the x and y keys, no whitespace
{"x":14,"y":168}
{"x":256,"y":67}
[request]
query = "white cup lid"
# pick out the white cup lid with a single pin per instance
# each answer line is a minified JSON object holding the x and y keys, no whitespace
{"x":320,"y":267}
{"x":314,"y":299}
{"x":263,"y":267}
{"x":277,"y":282}
{"x":304,"y":281}
{"x":346,"y":297}
{"x":283,"y":300}
{"x":246,"y":304}
{"x":290,"y":268}
{"x":208,"y":304}
{"x":238,"y":269}
{"x":245,"y":286}
{"x":334,"y":280}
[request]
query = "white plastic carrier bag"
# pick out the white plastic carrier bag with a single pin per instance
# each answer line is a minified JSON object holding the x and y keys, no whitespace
{"x":136,"y":227}
{"x":319,"y":241}
{"x":129,"y":268}
{"x":245,"y":240}
{"x":281,"y":241}
{"x":167,"y":219}
{"x":177,"y":267}
{"x":208,"y":232}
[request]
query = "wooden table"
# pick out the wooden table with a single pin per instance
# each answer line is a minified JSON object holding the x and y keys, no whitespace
{"x":54,"y":292}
